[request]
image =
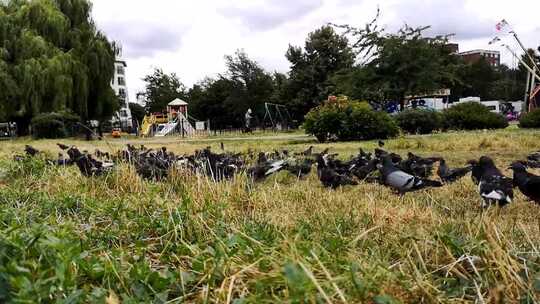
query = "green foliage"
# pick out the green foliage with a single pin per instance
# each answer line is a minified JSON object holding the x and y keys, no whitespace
{"x":483,"y":80}
{"x":349,"y":120}
{"x":161,"y":89}
{"x":472,"y":116}
{"x":530,"y":120}
{"x":397,"y":65}
{"x":325,"y":53}
{"x":54,"y":125}
{"x":225,"y":100}
{"x":419,"y":121}
{"x":137,"y":111}
{"x":52,"y":58}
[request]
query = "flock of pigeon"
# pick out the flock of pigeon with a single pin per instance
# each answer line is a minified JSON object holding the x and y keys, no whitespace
{"x":386,"y":168}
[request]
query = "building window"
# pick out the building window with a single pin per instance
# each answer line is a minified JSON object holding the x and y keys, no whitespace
{"x":120,"y":70}
{"x":122,"y":93}
{"x":121,"y":81}
{"x":123,"y":113}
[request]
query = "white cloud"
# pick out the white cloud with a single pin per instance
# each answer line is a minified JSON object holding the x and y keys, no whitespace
{"x":190,"y":38}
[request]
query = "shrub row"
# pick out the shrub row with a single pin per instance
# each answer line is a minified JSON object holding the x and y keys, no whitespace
{"x":352,"y":120}
{"x":54,"y":125}
{"x":349,"y":120}
{"x":530,"y":120}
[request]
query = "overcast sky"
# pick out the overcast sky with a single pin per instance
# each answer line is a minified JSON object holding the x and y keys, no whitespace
{"x":191,"y":38}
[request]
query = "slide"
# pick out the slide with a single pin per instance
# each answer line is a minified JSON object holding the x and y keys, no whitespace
{"x":171,"y":127}
{"x":167,"y":129}
{"x":146,"y":128}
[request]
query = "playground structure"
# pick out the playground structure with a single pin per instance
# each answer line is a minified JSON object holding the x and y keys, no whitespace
{"x":277,"y":116}
{"x":175,"y":121}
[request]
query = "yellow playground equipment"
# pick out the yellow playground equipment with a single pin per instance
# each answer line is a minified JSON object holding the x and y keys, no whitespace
{"x":150,"y":121}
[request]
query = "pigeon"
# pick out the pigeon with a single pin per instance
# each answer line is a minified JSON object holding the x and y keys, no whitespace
{"x":533,"y":164}
{"x":87,"y":165}
{"x":31,"y":151}
{"x":494,"y":187}
{"x":381,"y":143}
{"x":401,"y":181}
{"x":62,"y":161}
{"x":300,"y":168}
{"x":62,"y":146}
{"x":418,"y":166}
{"x":222,"y":146}
{"x":535,"y":157}
{"x":528,"y":183}
{"x":363,"y":172}
{"x":308,"y":152}
{"x":448,"y":175}
{"x":329,"y":177}
{"x":264,"y":167}
{"x":381,"y":154}
{"x":476,"y":172}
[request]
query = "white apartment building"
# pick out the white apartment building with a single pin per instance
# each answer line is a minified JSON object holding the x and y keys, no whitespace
{"x":123,"y":118}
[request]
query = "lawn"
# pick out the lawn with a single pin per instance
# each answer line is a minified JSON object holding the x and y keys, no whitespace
{"x":118,"y":239}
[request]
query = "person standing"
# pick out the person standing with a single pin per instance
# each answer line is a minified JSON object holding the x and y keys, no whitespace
{"x":248,"y":118}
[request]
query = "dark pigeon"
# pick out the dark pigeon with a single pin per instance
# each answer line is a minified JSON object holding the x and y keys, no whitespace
{"x":62,"y":146}
{"x":528,"y":183}
{"x":476,"y":171}
{"x":381,"y":154}
{"x":448,"y":175}
{"x":366,"y":171}
{"x":403,"y":182}
{"x":494,"y":187}
{"x":265,"y":167}
{"x":31,"y":151}
{"x":87,"y":165}
{"x":300,"y":168}
{"x":418,"y":166}
{"x":308,"y":152}
{"x":329,"y":177}
{"x":535,"y":157}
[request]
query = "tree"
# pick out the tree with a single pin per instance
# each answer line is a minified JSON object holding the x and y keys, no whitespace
{"x":137,"y":111}
{"x":324,"y":54}
{"x":224,"y":100}
{"x":408,"y":64}
{"x":251,"y":86}
{"x":53,"y":59}
{"x":395,"y":66}
{"x":161,"y":89}
{"x":208,"y":102}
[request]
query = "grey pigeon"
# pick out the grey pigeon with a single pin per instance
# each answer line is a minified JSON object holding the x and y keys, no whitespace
{"x":401,"y":181}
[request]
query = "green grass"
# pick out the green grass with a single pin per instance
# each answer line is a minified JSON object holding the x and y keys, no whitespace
{"x":69,"y":239}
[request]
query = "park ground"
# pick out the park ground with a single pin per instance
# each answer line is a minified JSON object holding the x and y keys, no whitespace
{"x":121,"y":239}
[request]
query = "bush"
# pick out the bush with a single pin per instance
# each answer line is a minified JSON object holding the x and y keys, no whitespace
{"x":54,"y":125}
{"x":472,"y":116}
{"x":349,"y":120}
{"x":530,"y":120}
{"x":419,"y":121}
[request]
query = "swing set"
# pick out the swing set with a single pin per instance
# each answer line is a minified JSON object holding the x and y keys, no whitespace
{"x":277,"y":116}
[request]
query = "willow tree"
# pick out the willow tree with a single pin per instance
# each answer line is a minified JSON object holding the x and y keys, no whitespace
{"x":53,"y":59}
